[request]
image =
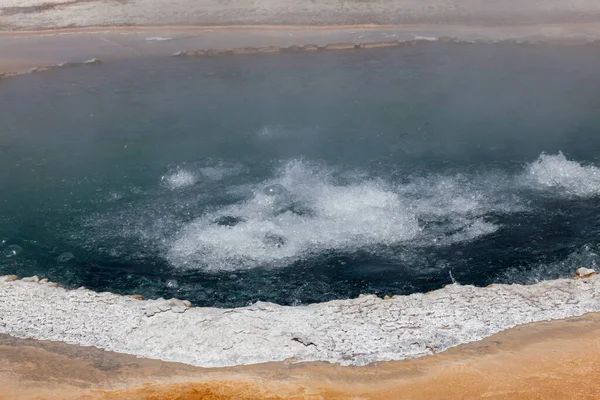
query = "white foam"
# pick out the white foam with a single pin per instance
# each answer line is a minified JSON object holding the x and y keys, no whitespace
{"x":363,"y":214}
{"x":179,"y":179}
{"x":268,"y":131}
{"x":220,"y":171}
{"x":338,"y":217}
{"x":332,"y":211}
{"x":189,"y":174}
{"x":558,"y":173}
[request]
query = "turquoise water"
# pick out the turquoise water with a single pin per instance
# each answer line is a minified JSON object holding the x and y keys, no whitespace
{"x":299,"y":178}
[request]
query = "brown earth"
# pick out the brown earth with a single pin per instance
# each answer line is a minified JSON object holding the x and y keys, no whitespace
{"x":547,"y":360}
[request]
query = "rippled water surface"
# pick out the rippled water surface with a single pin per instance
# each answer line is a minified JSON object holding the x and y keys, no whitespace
{"x":299,"y":178}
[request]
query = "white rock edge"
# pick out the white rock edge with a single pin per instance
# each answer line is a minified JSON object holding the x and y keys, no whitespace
{"x":357,"y":331}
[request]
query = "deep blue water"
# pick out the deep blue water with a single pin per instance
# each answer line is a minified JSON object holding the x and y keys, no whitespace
{"x":299,"y":178}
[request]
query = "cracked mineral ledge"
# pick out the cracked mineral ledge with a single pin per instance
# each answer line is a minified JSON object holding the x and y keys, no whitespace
{"x":349,"y":332}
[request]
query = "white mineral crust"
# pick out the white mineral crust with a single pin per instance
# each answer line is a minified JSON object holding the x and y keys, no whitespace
{"x":354,"y":331}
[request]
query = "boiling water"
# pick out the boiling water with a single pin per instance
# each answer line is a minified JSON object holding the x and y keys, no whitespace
{"x":299,"y":178}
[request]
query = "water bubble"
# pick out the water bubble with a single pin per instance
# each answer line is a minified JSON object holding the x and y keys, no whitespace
{"x":279,"y":197}
{"x":12,"y":251}
{"x":113,"y":196}
{"x":179,"y":179}
{"x":274,"y":240}
{"x":276,"y":190}
{"x":8,"y":263}
{"x":65,"y":257}
{"x":3,"y":241}
{"x":228,"y":220}
{"x":172,"y":284}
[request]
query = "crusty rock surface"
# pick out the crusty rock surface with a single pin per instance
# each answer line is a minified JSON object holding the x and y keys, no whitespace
{"x":583,"y":273}
{"x":354,"y":331}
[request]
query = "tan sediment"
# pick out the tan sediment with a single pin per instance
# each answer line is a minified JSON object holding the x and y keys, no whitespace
{"x":588,"y":26}
{"x":11,"y":68}
{"x":547,"y":360}
{"x":295,"y":48}
{"x":44,"y":68}
{"x":186,"y":28}
{"x":23,"y":50}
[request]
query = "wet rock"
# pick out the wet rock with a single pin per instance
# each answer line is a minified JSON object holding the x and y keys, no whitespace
{"x":310,"y":47}
{"x":447,"y":39}
{"x":45,"y":68}
{"x":34,"y":278}
{"x":52,"y":284}
{"x":155,"y":307}
{"x":269,"y":49}
{"x":6,"y":75}
{"x":368,"y":296}
{"x":583,"y":273}
{"x":217,"y":52}
{"x":9,"y":278}
{"x":45,"y":280}
{"x":386,"y":297}
{"x":179,"y":303}
{"x":341,"y":46}
{"x":138,"y":297}
{"x":376,"y":45}
{"x":292,"y":49}
{"x":245,"y":50}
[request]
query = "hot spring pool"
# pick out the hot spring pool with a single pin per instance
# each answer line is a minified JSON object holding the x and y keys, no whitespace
{"x":300,"y":178}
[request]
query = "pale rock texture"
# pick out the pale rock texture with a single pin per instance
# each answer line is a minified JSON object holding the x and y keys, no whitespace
{"x":357,"y":331}
{"x":583,"y":273}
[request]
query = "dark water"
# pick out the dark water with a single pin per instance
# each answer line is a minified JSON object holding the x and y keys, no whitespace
{"x":299,"y":178}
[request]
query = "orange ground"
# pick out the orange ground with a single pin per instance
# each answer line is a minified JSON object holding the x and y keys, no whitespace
{"x":548,"y":360}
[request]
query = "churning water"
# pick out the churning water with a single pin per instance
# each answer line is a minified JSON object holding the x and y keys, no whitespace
{"x":299,"y":178}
